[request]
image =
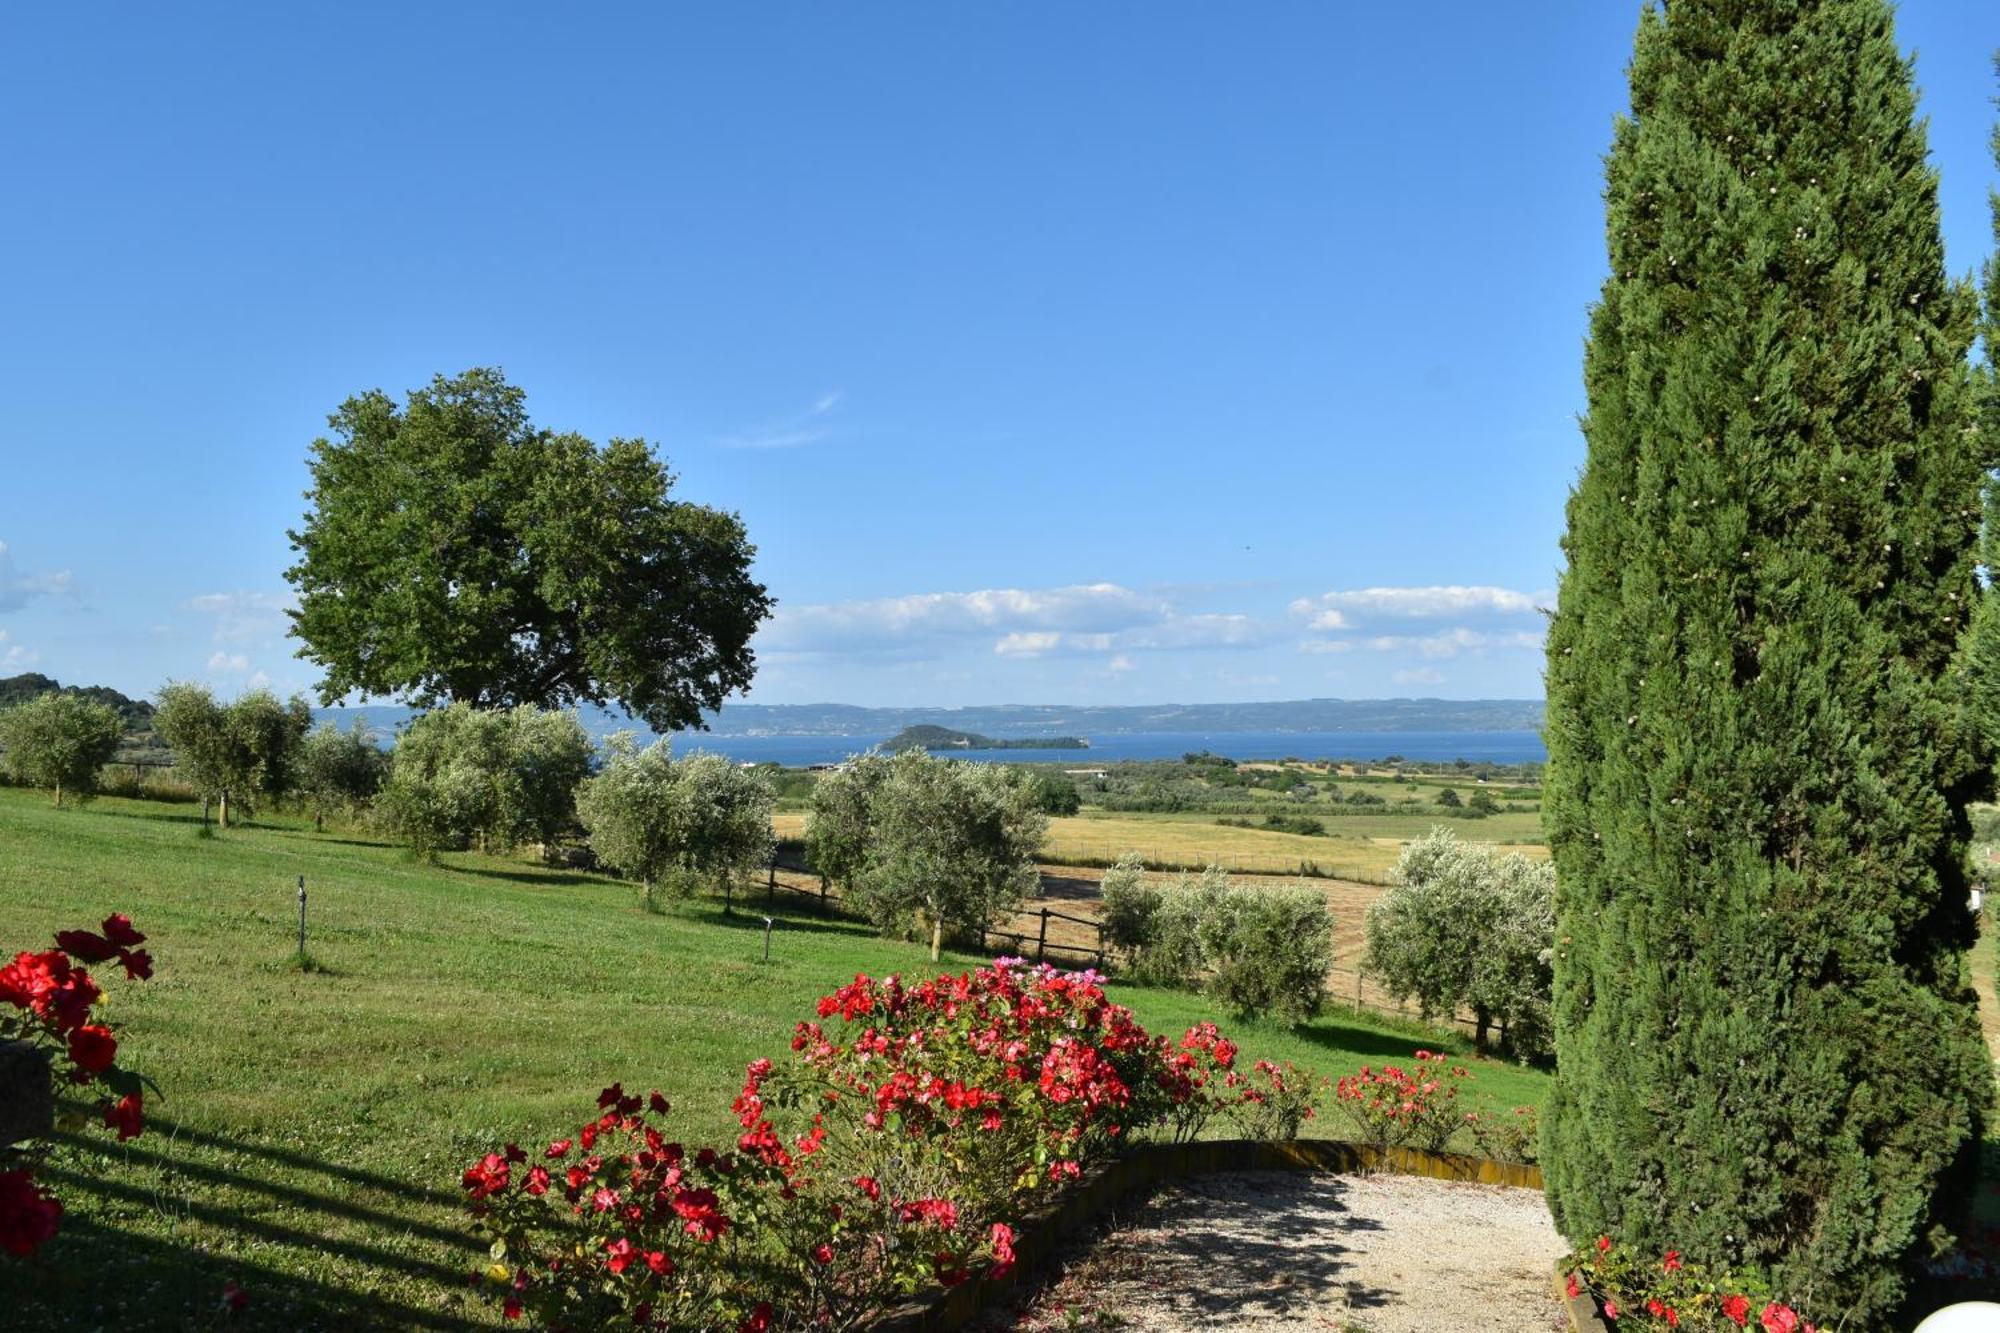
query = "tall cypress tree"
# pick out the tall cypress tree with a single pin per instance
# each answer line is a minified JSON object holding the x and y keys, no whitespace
{"x":1759,"y":766}
{"x":1983,"y":645}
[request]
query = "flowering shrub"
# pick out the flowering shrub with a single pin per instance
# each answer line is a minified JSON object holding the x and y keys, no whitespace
{"x":1638,"y":1291}
{"x":46,"y":1000}
{"x":1405,"y":1107}
{"x":1515,"y":1137}
{"x":914,"y":1126}
{"x":1275,"y":1101}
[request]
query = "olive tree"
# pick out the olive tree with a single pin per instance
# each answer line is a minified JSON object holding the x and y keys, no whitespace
{"x":951,"y":845}
{"x":59,"y":741}
{"x":839,"y":831}
{"x":1462,"y":927}
{"x":339,"y":770}
{"x":241,"y":751}
{"x":461,"y":775}
{"x":659,"y":819}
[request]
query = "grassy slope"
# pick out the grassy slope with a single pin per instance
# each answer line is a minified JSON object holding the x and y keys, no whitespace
{"x":314,"y":1124}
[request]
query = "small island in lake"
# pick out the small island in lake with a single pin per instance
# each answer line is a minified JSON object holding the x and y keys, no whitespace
{"x":926,"y":737}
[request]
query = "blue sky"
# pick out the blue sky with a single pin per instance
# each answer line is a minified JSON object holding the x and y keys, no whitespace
{"x":1051,"y":353}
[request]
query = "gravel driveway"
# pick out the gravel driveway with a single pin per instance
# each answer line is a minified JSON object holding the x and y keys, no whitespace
{"x":1288,"y":1249}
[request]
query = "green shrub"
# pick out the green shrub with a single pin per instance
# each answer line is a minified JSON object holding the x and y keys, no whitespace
{"x":1260,"y":951}
{"x":1268,"y":951}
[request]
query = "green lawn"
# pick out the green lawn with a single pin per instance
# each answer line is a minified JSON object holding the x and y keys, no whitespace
{"x":314,"y":1124}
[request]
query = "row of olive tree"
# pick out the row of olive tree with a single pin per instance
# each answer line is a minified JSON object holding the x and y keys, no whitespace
{"x":1260,"y":951}
{"x":251,"y":750}
{"x":1465,"y":928}
{"x":926,"y":845}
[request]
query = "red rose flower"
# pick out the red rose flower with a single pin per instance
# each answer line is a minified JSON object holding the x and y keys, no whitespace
{"x":126,"y":1116}
{"x":1737,"y":1308}
{"x":86,"y":946}
{"x":28,"y":1217}
{"x":93,"y":1048}
{"x":118,"y":929}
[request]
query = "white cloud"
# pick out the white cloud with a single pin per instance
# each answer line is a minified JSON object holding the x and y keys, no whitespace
{"x":14,"y":656}
{"x":1341,"y":609}
{"x":1018,"y":622}
{"x":221,"y":661}
{"x":877,"y":622}
{"x":1028,"y":643}
{"x":806,"y":427}
{"x":1451,"y":642}
{"x":18,"y":589}
{"x":243,"y":617}
{"x":1119,"y":664}
{"x":1378,"y":619}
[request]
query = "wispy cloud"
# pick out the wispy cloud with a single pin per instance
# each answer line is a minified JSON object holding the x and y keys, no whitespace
{"x":17,"y":589}
{"x":810,"y":426}
{"x":1341,"y":609}
{"x":15,"y":656}
{"x":1013,"y":622}
{"x":243,"y":617}
{"x":1380,"y":620}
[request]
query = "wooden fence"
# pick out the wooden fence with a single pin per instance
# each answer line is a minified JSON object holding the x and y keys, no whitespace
{"x":1025,"y":929}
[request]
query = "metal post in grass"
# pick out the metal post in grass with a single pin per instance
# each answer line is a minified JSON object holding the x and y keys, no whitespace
{"x":302,"y":916}
{"x":768,"y":923}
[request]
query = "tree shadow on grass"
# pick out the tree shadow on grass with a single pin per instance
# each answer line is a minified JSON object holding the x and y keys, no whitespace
{"x":160,"y":817}
{"x":1352,"y":1039}
{"x":155,"y":1228}
{"x":526,"y":875}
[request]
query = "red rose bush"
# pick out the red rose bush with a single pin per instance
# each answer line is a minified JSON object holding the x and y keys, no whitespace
{"x":1639,"y":1291}
{"x":48,"y":999}
{"x":912,"y":1129}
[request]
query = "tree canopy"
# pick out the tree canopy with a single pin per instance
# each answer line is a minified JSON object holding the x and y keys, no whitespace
{"x":59,"y":741}
{"x":454,"y":551}
{"x":241,"y":751}
{"x":657,"y":818}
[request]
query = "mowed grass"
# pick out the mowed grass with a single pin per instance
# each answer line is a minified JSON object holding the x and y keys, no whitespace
{"x":314,"y":1124}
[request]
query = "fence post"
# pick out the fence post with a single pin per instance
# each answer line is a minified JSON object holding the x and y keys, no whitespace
{"x":302,"y":915}
{"x":729,"y":895}
{"x":1042,"y":941}
{"x":1357,"y":990}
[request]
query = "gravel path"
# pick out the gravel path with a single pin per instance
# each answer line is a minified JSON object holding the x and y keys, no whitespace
{"x":1296,"y":1250}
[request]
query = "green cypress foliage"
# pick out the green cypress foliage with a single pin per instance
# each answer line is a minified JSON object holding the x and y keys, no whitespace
{"x":1983,"y":647}
{"x":1767,"y":1052}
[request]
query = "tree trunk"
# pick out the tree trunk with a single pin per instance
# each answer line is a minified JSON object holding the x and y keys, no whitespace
{"x":937,"y":936}
{"x":647,"y":883}
{"x":1484,"y":1019}
{"x":59,"y":796}
{"x":222,"y":816}
{"x":319,"y":821}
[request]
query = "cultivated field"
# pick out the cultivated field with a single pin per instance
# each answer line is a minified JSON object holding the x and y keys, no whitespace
{"x":314,"y":1123}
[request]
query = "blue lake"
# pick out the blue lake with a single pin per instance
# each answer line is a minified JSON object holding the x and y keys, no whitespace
{"x":1500,"y":747}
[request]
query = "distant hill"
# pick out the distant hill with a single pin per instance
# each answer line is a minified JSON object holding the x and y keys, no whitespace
{"x":137,"y":713}
{"x":926,"y":737}
{"x":1017,"y":721}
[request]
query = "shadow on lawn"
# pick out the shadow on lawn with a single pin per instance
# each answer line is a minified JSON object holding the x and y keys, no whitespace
{"x":200,"y":1215}
{"x":1353,"y":1039}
